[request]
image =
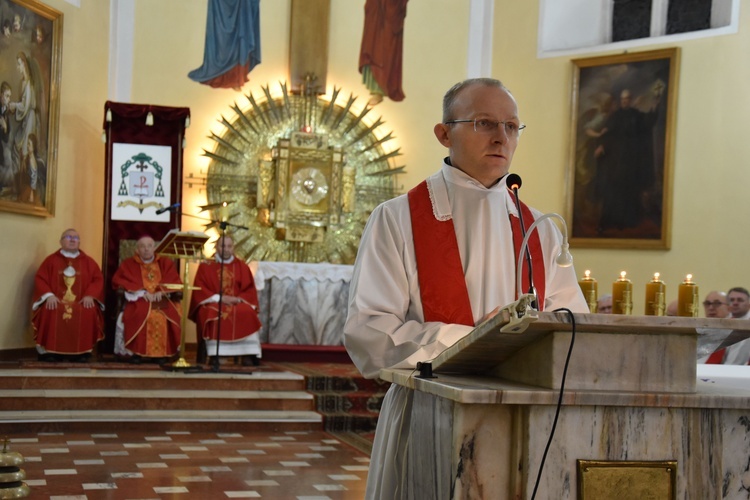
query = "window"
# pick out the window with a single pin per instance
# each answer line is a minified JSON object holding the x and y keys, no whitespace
{"x":579,"y":26}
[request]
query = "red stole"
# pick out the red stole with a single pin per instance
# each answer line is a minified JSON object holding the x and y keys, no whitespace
{"x":439,"y":261}
{"x":717,"y":357}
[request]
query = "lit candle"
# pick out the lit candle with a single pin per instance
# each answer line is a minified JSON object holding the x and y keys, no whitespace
{"x":687,"y":298}
{"x":589,"y":287}
{"x":655,"y":291}
{"x":622,"y":295}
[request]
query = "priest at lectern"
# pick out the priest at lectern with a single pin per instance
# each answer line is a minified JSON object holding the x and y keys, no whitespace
{"x":149,"y":326}
{"x":460,"y":229}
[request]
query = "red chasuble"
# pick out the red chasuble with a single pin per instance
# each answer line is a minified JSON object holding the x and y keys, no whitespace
{"x":152,"y":329}
{"x":237,"y":321}
{"x":439,"y":261}
{"x":70,"y":328}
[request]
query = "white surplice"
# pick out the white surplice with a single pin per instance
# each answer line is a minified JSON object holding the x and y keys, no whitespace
{"x":385,"y":327}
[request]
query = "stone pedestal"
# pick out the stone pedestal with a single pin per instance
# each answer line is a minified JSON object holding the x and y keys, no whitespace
{"x":633,"y":397}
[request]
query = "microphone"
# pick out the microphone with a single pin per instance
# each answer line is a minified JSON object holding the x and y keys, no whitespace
{"x":563,"y":259}
{"x":513,"y":181}
{"x":168,"y":209}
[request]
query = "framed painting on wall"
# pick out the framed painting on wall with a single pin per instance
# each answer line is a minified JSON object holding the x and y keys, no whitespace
{"x":622,"y":141}
{"x":30,"y":56}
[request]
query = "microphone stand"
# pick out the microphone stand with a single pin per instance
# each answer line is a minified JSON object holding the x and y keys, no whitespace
{"x":223,"y":226}
{"x":532,"y":289}
{"x":215,"y":364}
{"x":563,"y":259}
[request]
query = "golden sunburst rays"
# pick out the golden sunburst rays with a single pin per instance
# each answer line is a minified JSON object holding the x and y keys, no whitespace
{"x":214,"y":206}
{"x":245,"y":146}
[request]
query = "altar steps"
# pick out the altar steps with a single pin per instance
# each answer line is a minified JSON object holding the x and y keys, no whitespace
{"x":73,"y":399}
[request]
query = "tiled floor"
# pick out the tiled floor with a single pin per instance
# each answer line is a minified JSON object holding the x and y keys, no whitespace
{"x":173,"y":465}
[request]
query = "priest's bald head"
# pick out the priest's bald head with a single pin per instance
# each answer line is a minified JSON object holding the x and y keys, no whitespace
{"x":70,"y":240}
{"x":145,"y":247}
{"x":480,"y":128}
{"x":225,"y":246}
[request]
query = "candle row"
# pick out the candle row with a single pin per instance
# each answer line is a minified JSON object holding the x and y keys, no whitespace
{"x":622,"y":295}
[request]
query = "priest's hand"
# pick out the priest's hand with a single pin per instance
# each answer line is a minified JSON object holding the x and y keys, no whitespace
{"x":490,"y":314}
{"x":154,"y":297}
{"x":230,"y":300}
{"x":51,"y":302}
{"x":88,"y":301}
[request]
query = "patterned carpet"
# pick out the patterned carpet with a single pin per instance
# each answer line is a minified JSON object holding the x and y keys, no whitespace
{"x":349,"y":403}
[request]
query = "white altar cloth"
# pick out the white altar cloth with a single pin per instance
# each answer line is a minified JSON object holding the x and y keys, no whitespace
{"x":301,"y":303}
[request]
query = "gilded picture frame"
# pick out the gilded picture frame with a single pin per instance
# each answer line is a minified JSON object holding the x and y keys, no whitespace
{"x":619,"y":192}
{"x":30,"y":59}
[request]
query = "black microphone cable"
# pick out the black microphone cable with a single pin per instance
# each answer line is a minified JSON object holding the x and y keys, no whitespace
{"x":560,"y":398}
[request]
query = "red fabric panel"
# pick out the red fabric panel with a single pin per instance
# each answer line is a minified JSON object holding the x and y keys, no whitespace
{"x":716,"y":357}
{"x":442,"y":285}
{"x":535,"y":248}
{"x":123,"y":112}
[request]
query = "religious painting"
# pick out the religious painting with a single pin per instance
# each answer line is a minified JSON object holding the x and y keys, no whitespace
{"x":622,"y":135}
{"x":30,"y":57}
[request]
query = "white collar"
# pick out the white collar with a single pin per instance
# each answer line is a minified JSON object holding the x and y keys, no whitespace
{"x":70,"y":255}
{"x":226,"y":261}
{"x":437,"y":186}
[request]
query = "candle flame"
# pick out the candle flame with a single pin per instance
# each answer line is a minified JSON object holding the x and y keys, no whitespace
{"x":688,"y":278}
{"x":587,"y":273}
{"x":622,"y":275}
{"x":656,"y":276}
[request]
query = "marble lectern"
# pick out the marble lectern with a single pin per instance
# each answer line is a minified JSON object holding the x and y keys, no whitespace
{"x":635,"y":421}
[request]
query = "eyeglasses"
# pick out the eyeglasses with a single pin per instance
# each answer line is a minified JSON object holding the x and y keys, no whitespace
{"x":486,"y":126}
{"x":71,"y":238}
{"x":715,"y":303}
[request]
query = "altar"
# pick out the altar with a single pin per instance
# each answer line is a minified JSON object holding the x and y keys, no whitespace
{"x":302,"y":303}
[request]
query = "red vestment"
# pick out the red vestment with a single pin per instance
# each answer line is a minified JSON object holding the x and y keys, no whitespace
{"x":70,"y":328}
{"x":152,"y":329}
{"x":436,"y":248}
{"x":237,"y":321}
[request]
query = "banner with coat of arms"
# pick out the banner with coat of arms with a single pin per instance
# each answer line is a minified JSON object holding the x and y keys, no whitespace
{"x":141,"y":182}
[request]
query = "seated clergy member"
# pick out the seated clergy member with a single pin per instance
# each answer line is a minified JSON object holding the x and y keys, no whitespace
{"x":604,"y":304}
{"x":716,"y":305}
{"x":149,"y":325}
{"x":238,"y":332}
{"x":68,"y":302}
{"x":737,"y":303}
